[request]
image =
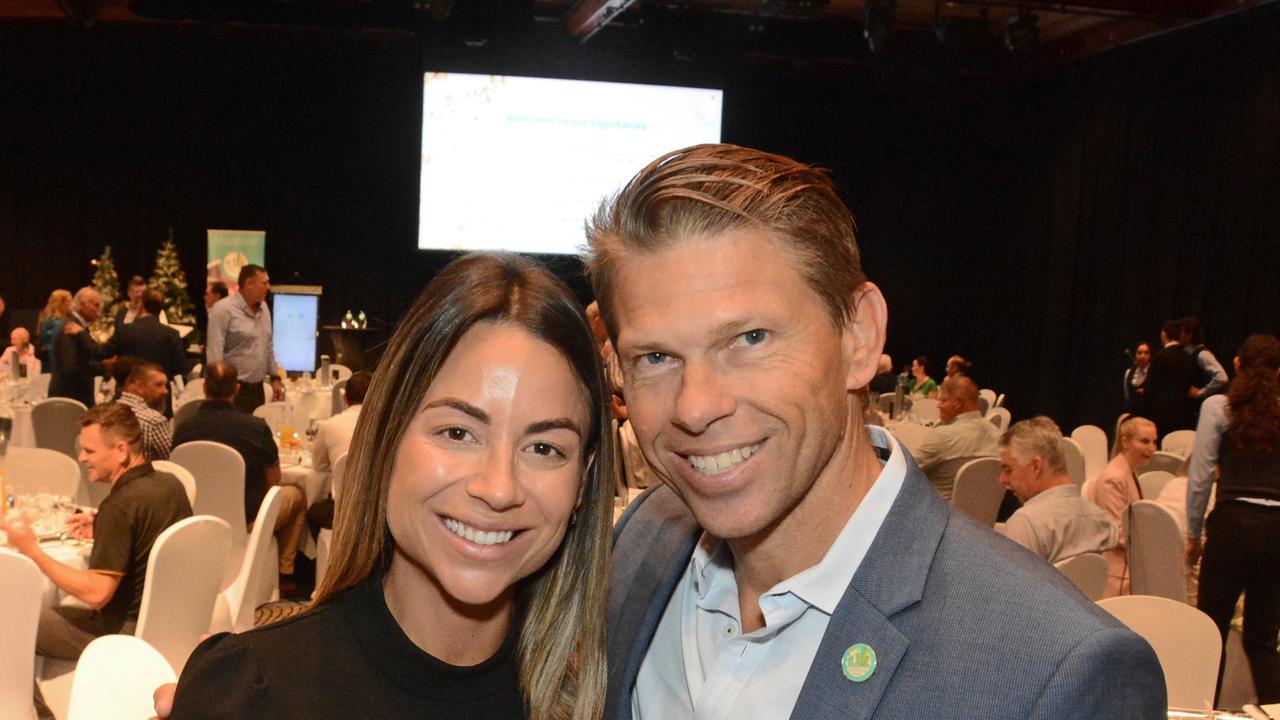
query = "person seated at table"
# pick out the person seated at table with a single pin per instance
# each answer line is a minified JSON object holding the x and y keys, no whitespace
{"x":962,"y":435}
{"x":957,"y":365}
{"x":20,"y":347}
{"x":218,"y":420}
{"x":886,"y":381}
{"x":469,"y":569}
{"x":333,"y":439}
{"x":1054,"y":522}
{"x":920,"y":384}
{"x":144,"y":390}
{"x":1116,"y":487}
{"x":142,"y":503}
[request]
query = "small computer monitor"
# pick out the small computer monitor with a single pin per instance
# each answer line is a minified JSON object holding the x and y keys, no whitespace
{"x":295,"y":314}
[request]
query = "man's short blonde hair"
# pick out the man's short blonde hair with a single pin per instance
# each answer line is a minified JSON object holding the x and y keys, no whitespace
{"x":707,"y":190}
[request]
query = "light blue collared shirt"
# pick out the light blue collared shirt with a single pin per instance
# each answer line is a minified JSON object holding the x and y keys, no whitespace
{"x":701,"y":666}
{"x":241,"y":338}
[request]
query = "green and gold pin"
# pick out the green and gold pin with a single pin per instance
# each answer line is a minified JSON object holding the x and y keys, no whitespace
{"x":859,"y":662}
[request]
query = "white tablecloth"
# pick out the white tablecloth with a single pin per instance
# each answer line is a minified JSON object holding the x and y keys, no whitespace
{"x":312,"y":403}
{"x":68,"y":553}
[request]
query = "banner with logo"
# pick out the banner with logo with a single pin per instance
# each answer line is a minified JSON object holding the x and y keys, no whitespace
{"x":230,"y":250}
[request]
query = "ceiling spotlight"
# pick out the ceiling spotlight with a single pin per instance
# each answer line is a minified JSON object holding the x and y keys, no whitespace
{"x":1021,"y":34}
{"x":878,"y":20}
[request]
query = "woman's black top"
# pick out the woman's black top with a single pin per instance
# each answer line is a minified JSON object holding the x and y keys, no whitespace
{"x":346,"y":658}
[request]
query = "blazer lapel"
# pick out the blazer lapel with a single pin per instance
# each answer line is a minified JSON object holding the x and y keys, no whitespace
{"x":647,"y":566}
{"x":890,"y":579}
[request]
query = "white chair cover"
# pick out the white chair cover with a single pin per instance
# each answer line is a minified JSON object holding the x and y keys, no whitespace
{"x":276,"y":413}
{"x":1155,"y":552}
{"x":925,"y":409}
{"x":344,"y":372}
{"x":193,"y":391}
{"x":184,"y":476}
{"x":1179,"y":442}
{"x":115,"y":679}
{"x":337,"y":475}
{"x":20,"y":594}
{"x":1152,"y":482}
{"x":1185,"y":640}
{"x":1093,"y":443}
{"x":1161,"y":460}
{"x":978,"y":491}
{"x":56,"y":422}
{"x":989,"y":395}
{"x":1088,"y":572}
{"x":184,"y":574}
{"x":338,"y":389}
{"x":235,"y":605}
{"x":1074,"y":456}
{"x":1000,"y":417}
{"x":1000,"y":400}
{"x":35,"y":470}
{"x":219,"y":473}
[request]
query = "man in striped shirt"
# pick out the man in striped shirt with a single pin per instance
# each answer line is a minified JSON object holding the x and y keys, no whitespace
{"x":145,"y":389}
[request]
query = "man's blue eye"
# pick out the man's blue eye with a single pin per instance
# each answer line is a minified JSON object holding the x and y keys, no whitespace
{"x":754,"y":337}
{"x":654,"y":358}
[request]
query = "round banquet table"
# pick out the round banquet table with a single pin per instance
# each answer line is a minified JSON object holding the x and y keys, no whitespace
{"x":315,"y":403}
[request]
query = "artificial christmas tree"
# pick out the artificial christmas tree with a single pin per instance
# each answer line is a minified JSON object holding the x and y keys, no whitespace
{"x":107,"y":284}
{"x":169,"y":279}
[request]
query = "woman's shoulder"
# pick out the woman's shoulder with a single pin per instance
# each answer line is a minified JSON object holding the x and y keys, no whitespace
{"x":231,"y":675}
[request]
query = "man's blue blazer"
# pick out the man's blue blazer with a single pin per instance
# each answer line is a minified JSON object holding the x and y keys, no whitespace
{"x":965,"y":623}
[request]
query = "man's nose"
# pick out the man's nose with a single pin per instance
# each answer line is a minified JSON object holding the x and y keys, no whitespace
{"x":705,"y":396}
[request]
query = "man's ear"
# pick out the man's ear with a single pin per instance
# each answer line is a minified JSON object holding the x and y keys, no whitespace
{"x":863,"y":335}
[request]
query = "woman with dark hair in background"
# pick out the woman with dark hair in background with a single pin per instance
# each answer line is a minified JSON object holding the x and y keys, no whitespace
{"x":1136,"y":375}
{"x":468,"y":576}
{"x":921,"y":385}
{"x":1239,"y":436}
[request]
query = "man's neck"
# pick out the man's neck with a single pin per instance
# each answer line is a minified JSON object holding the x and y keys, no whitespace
{"x":134,"y":461}
{"x":801,"y":538}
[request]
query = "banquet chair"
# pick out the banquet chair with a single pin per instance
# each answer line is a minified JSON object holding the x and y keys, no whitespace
{"x":197,"y":371}
{"x":978,"y":491}
{"x":1074,"y":455}
{"x":1152,"y":482}
{"x":39,"y":387}
{"x":115,"y":679}
{"x":184,"y":575}
{"x":193,"y":392}
{"x":219,"y":473}
{"x":324,"y":538}
{"x":1186,"y":641}
{"x":37,"y":470}
{"x":909,"y":434}
{"x":1155,"y":552}
{"x":1161,"y":460}
{"x":1088,"y":572}
{"x":989,"y":395}
{"x":182,"y":413}
{"x":56,"y":422}
{"x":20,"y":596}
{"x":1000,"y":400}
{"x":999,"y":417}
{"x":1093,"y":443}
{"x":983,"y":406}
{"x":341,"y":371}
{"x":1179,"y":442}
{"x":276,"y":413}
{"x":925,"y":409}
{"x":184,"y":476}
{"x":233,"y":610}
{"x":339,"y":388}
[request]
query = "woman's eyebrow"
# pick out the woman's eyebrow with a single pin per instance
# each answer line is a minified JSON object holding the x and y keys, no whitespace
{"x":556,"y":424}
{"x":461,"y":406}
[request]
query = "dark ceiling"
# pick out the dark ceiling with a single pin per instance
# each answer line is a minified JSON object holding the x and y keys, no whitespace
{"x":996,"y":36}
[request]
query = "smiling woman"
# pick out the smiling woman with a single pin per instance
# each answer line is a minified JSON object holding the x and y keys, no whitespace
{"x":469,"y":562}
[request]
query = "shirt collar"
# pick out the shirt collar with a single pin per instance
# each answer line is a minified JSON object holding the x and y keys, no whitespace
{"x":821,"y":586}
{"x":132,"y":474}
{"x":1055,"y":491}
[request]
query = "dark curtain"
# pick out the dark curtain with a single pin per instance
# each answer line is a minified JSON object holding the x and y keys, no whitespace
{"x":1035,"y":224}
